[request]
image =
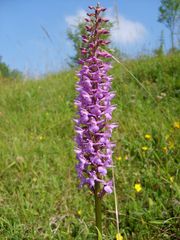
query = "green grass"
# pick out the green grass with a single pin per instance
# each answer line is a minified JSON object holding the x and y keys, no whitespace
{"x":39,"y":198}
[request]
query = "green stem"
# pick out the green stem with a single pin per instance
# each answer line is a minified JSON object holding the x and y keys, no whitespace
{"x":98,"y":201}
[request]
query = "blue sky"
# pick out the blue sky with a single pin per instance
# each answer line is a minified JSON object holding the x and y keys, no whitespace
{"x":25,"y":46}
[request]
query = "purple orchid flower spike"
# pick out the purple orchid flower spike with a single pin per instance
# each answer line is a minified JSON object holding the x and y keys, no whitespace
{"x":94,"y":105}
{"x":93,"y":127}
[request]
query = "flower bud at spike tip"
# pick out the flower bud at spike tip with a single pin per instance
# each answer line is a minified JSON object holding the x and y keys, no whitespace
{"x":93,"y":127}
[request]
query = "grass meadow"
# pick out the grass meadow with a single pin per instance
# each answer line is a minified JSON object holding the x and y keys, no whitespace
{"x":39,"y":198}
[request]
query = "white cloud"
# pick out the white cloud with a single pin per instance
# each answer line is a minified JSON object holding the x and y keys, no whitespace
{"x":73,"y":21}
{"x":124,"y":31}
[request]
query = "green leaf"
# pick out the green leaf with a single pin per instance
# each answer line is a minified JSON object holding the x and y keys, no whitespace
{"x":99,"y":234}
{"x":159,"y":222}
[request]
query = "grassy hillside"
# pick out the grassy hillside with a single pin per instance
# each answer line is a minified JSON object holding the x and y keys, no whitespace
{"x":39,"y":198}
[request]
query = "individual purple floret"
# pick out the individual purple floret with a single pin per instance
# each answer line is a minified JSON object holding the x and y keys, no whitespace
{"x":93,"y":127}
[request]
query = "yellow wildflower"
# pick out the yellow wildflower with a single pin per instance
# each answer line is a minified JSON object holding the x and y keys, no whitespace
{"x":79,"y":212}
{"x":176,"y":125}
{"x":41,"y":138}
{"x":119,"y":236}
{"x":138,"y":187}
{"x":171,"y":179}
{"x":144,"y":148}
{"x":165,"y":150}
{"x":119,"y":158}
{"x":148,"y":136}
